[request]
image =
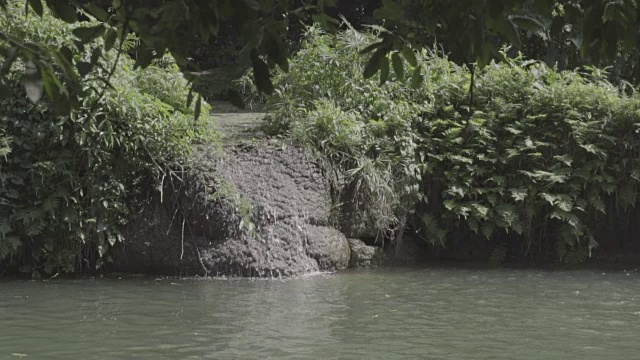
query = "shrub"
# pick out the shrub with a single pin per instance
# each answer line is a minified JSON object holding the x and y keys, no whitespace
{"x":68,"y":182}
{"x":540,"y":154}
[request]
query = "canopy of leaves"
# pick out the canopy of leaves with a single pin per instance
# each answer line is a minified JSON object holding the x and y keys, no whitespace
{"x":471,"y":31}
{"x":173,"y":26}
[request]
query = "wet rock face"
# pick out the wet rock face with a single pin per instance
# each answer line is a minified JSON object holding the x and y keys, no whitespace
{"x":270,"y":218}
{"x":363,"y":255}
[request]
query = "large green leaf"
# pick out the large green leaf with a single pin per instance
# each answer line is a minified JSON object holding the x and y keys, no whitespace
{"x":88,"y":34}
{"x":36,"y":5}
{"x":375,"y":62}
{"x":63,"y":10}
{"x":398,"y":65}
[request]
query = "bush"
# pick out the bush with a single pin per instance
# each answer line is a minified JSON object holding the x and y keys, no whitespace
{"x":541,"y":155}
{"x":68,"y":183}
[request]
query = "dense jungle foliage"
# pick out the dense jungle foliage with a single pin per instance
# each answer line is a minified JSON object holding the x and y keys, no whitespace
{"x":478,"y":141}
{"x":69,"y":181}
{"x":470,"y":31}
{"x":545,"y":156}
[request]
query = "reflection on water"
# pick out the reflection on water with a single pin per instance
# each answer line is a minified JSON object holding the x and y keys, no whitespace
{"x":399,"y":313}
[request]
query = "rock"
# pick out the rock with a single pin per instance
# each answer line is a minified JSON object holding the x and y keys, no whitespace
{"x":363,"y":255}
{"x":258,"y":210}
{"x":329,"y":247}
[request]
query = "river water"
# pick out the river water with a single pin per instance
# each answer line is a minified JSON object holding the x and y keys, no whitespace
{"x":439,"y":313}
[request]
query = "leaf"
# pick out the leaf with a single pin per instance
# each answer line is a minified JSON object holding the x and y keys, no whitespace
{"x":198,"y":108}
{"x":33,"y":82}
{"x":410,"y":56}
{"x":628,"y":195}
{"x":51,"y":85}
{"x":111,"y":239}
{"x":564,"y":202}
{"x":449,"y":204}
{"x":565,"y":159}
{"x":110,"y":38}
{"x":88,"y":34}
{"x":190,"y":96}
{"x":507,"y":215}
{"x":63,"y":10}
{"x":519,"y":194}
{"x":96,"y":54}
{"x":384,"y":70}
{"x":374,"y":64}
{"x":144,"y":56}
{"x":67,"y":53}
{"x":487,"y":229}
{"x":597,"y":203}
{"x":416,"y":78}
{"x":84,"y":68}
{"x":398,"y":65}
{"x":97,"y":12}
{"x":36,"y":5}
{"x":277,"y":52}
{"x":50,"y":204}
{"x":261,"y":74}
{"x":371,"y":47}
{"x":481,"y":210}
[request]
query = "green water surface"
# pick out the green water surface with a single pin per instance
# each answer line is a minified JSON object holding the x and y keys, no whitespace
{"x":440,"y":313}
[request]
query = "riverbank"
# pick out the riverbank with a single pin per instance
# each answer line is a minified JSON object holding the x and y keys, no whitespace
{"x":260,"y":207}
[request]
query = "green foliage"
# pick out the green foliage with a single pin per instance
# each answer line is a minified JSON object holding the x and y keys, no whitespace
{"x":472,"y":31}
{"x":539,"y":155}
{"x":68,"y":181}
{"x":175,"y":26}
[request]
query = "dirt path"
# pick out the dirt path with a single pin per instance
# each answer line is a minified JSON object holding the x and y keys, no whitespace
{"x":236,"y":124}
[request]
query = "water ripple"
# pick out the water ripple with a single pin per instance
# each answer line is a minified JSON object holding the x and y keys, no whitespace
{"x":379,"y":314}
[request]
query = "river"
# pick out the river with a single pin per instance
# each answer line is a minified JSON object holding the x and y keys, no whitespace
{"x":435,"y":313}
